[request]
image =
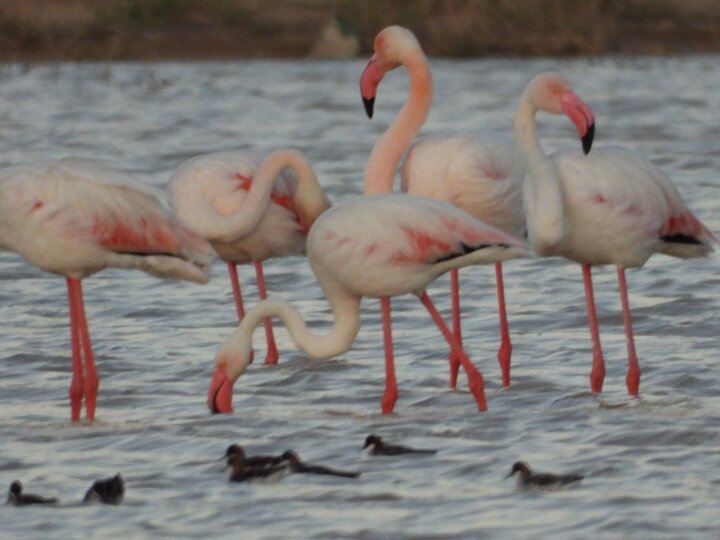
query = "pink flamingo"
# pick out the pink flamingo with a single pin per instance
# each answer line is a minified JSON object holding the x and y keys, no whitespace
{"x":212,"y":194}
{"x":483,"y":176}
{"x":609,"y":207}
{"x":74,"y":218}
{"x":377,"y":246}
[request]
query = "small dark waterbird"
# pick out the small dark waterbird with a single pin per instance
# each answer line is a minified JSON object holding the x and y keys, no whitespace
{"x":298,"y":466}
{"x":240,"y":471}
{"x":528,"y":478}
{"x":108,"y":491}
{"x":16,"y":497}
{"x":251,"y":461}
{"x":380,"y":448}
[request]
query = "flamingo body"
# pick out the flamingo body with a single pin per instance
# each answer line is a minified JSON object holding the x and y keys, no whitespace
{"x":407,"y":242}
{"x":207,"y":188}
{"x":482,"y":176}
{"x":74,"y":218}
{"x":620,"y":209}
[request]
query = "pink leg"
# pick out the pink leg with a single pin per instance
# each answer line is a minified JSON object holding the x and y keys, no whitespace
{"x":272,"y":352}
{"x":76,"y":386}
{"x":235,"y":282}
{"x":505,"y":351}
{"x":391,"y":392}
{"x":457,"y":330}
{"x":632,"y":378}
{"x":91,"y":378}
{"x":597,"y":375}
{"x":475,"y":379}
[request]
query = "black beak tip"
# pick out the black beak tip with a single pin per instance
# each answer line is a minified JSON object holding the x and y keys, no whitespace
{"x":369,"y":106}
{"x":587,"y":139}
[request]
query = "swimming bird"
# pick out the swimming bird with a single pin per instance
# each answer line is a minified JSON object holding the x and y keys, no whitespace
{"x":108,"y":491}
{"x":16,"y":497}
{"x":76,"y":217}
{"x":296,"y":465}
{"x":249,"y":211}
{"x":251,"y":461}
{"x":480,"y":174}
{"x":608,"y":207}
{"x":528,"y":478}
{"x":378,"y":246}
{"x":379,"y":447}
{"x":241,"y":471}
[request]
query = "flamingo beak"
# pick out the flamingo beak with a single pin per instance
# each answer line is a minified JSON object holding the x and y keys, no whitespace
{"x":582,"y":116}
{"x":369,"y":81}
{"x":220,"y":393}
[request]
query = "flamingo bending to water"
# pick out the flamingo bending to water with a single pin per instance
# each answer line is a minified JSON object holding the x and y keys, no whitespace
{"x":378,"y":246}
{"x":609,"y":207}
{"x":213,"y":195}
{"x":74,"y":218}
{"x":481,"y":175}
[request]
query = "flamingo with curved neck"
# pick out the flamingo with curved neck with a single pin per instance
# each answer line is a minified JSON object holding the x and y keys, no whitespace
{"x":608,"y":207}
{"x":249,"y":211}
{"x":379,"y":246}
{"x":481,"y":175}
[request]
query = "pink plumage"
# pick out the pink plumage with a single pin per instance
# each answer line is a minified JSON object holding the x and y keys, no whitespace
{"x":74,"y":218}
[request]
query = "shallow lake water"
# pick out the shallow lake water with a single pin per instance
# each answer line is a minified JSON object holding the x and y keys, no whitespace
{"x":651,"y":464}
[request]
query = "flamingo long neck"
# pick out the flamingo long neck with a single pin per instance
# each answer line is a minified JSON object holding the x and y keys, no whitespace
{"x":386,"y":154}
{"x":235,"y":352}
{"x":542,"y":190}
{"x":310,"y":198}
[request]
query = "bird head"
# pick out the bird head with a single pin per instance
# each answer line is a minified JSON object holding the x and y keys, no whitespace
{"x":550,"y":93}
{"x":393,"y":47}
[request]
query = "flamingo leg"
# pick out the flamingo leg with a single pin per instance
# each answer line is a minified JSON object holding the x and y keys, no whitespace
{"x":475,"y":379}
{"x":91,"y":382}
{"x":457,"y":330}
{"x":391,"y":392}
{"x":76,"y":386}
{"x":235,"y":282}
{"x":632,"y":378}
{"x":272,"y":352}
{"x":505,"y":351}
{"x":597,"y":375}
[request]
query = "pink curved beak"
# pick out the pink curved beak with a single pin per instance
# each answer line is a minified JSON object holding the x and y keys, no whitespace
{"x":369,"y":81}
{"x":220,"y":393}
{"x":582,"y":116}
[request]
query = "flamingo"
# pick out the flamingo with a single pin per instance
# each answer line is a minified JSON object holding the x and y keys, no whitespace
{"x":74,"y":218}
{"x":378,"y":246}
{"x":481,"y":175}
{"x":211,"y":194}
{"x":609,"y":207}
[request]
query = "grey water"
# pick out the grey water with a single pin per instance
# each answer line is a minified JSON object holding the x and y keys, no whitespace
{"x":652,"y":464}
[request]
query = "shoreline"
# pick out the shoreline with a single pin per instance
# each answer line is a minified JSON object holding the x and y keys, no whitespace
{"x":48,"y":30}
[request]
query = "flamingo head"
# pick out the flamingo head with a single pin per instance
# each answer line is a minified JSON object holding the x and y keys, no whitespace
{"x":227,"y":370}
{"x":550,"y":93}
{"x":393,"y":47}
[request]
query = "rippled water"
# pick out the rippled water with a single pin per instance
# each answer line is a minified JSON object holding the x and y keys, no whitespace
{"x":651,"y":463}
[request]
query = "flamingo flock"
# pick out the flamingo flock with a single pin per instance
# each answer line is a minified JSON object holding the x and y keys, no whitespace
{"x":466,"y":200}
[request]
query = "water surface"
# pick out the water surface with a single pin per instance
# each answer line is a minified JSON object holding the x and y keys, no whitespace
{"x":651,"y":463}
